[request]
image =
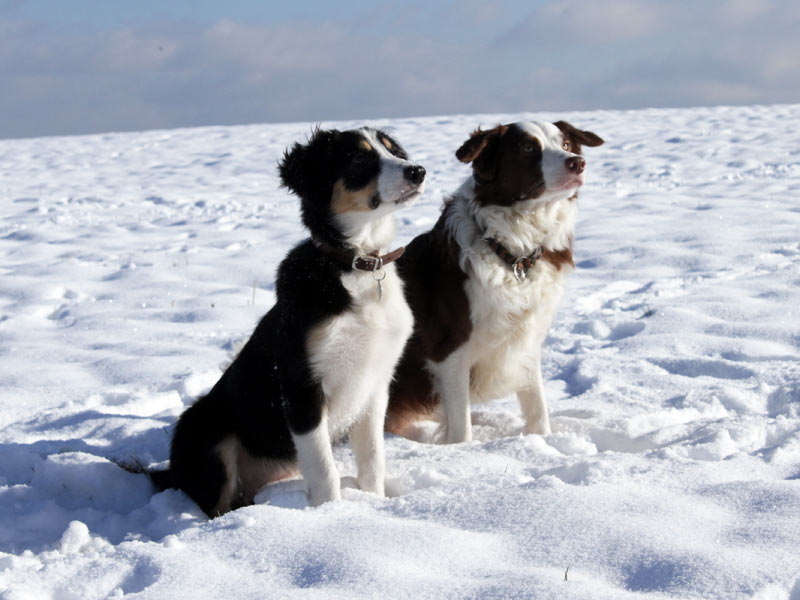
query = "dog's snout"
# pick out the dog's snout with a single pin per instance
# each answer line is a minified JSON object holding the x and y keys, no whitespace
{"x":575,"y":164}
{"x":414,"y":174}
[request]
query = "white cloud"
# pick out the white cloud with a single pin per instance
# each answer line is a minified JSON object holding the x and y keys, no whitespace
{"x":420,"y":60}
{"x":744,"y":11}
{"x":597,"y":21}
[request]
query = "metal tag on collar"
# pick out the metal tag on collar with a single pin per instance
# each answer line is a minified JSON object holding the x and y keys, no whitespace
{"x":519,"y":269}
{"x":378,"y":266}
{"x":380,"y":287}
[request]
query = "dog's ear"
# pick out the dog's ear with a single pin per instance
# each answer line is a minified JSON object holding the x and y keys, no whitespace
{"x":578,"y":137}
{"x":292,"y":168}
{"x":300,"y":166}
{"x":471,"y":149}
{"x":481,"y":150}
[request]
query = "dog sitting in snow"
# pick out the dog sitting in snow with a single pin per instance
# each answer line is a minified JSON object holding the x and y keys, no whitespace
{"x":484,"y":283}
{"x":319,"y":364}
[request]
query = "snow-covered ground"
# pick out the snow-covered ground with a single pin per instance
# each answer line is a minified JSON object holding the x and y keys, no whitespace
{"x":131,"y":266}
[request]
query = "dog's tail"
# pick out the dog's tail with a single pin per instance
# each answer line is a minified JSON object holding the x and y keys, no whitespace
{"x":160,"y":478}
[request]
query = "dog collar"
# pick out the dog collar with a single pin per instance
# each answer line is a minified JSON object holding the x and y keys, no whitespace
{"x":362,"y":262}
{"x":519,"y":265}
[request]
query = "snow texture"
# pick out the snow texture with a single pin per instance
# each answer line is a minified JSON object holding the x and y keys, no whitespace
{"x":133,"y":265}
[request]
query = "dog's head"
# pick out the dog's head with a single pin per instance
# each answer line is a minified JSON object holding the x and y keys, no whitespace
{"x":349,"y":177}
{"x":526,"y":160}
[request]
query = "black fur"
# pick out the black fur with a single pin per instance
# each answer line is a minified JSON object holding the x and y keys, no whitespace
{"x":310,"y":171}
{"x":268,"y":388}
{"x":268,"y":391}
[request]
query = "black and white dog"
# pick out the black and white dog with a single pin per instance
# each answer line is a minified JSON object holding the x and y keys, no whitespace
{"x":319,"y":364}
{"x":485,"y":282}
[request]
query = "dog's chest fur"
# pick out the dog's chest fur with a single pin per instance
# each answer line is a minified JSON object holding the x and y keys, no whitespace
{"x":510,"y":323}
{"x":510,"y":318}
{"x":353,"y":355}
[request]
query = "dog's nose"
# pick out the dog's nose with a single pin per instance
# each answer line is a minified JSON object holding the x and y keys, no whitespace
{"x":575,"y":164}
{"x":415,"y":173}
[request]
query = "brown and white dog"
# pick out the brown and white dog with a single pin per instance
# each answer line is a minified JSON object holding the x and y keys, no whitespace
{"x":484,"y":283}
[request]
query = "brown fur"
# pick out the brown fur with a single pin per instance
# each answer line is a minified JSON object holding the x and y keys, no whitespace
{"x":506,"y":163}
{"x":576,"y":137}
{"x":480,"y":150}
{"x":435,"y":293}
{"x":345,"y":200}
{"x":559,"y":258}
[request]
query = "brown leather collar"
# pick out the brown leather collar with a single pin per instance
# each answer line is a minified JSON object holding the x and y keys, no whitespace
{"x":362,"y":262}
{"x":520,"y":265}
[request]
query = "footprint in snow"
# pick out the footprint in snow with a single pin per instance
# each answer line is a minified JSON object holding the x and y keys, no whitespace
{"x":600,"y":331}
{"x":698,"y":367}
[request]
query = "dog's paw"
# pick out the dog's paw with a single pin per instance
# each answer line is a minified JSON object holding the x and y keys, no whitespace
{"x":316,"y":497}
{"x":373,"y":485}
{"x":539,"y":427}
{"x":439,"y":434}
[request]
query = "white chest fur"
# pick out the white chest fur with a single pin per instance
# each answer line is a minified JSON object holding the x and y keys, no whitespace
{"x":510,"y":318}
{"x":510,"y":321}
{"x":353,"y":355}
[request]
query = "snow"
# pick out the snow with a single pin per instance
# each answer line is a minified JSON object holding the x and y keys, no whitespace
{"x":133,"y":265}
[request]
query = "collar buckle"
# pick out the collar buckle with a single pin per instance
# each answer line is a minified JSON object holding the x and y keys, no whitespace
{"x":376,"y":262}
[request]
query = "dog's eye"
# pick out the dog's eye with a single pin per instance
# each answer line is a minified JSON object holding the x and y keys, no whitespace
{"x":527,"y":147}
{"x":566,"y":145}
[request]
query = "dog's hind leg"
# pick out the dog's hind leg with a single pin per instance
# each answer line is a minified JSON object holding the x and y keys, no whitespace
{"x":209,"y":479}
{"x":228,"y":453}
{"x":203,"y":461}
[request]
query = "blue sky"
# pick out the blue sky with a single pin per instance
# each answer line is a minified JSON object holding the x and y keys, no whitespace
{"x":85,"y":66}
{"x":102,"y":14}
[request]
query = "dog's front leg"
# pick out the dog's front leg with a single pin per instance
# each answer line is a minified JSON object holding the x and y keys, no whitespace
{"x":533,"y":404}
{"x":315,"y":455}
{"x":451,"y":377}
{"x":366,"y":439}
